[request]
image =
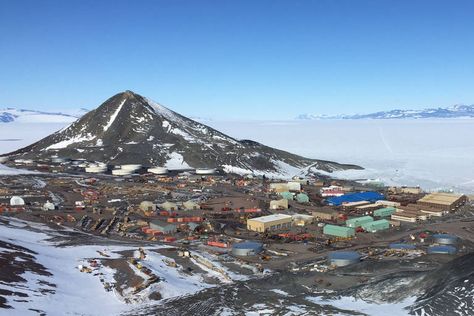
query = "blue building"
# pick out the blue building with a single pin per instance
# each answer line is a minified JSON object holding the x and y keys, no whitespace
{"x":370,"y":196}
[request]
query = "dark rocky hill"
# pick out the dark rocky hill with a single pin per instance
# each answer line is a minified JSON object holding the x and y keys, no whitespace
{"x":128,"y":128}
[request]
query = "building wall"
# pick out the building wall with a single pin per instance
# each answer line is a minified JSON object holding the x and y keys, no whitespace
{"x":325,"y":215}
{"x":376,"y":225}
{"x":258,"y":226}
{"x":358,"y":221}
{"x":339,"y":231}
{"x":279,"y":204}
{"x":384,"y":212}
{"x":403,"y":218}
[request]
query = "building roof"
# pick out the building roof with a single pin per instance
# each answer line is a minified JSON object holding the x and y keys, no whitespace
{"x":406,"y":214}
{"x":345,"y":255}
{"x":270,"y":218}
{"x":360,"y":219}
{"x":440,"y":198}
{"x":370,"y":196}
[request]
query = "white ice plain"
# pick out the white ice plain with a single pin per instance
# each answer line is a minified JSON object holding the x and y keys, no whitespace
{"x":433,"y":153}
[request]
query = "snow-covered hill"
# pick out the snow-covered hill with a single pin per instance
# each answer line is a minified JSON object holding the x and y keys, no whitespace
{"x":128,"y":128}
{"x":455,"y":111}
{"x":9,"y":115}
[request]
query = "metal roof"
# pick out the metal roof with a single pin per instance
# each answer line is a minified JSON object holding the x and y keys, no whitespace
{"x":441,"y":198}
{"x":346,"y":255}
{"x":270,"y":218}
{"x":370,"y":196}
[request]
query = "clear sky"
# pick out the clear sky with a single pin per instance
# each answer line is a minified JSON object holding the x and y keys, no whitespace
{"x":234,"y":58}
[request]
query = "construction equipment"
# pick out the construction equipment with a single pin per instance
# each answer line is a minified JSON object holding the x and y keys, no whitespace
{"x":142,"y":253}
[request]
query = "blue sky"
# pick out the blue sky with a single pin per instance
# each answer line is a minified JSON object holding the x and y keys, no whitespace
{"x":233,"y":59}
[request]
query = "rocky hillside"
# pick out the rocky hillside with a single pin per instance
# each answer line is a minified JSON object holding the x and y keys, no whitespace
{"x":128,"y":128}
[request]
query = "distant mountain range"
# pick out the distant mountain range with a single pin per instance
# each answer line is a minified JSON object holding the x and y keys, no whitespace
{"x":455,"y":111}
{"x":32,"y":116}
{"x":131,"y":129}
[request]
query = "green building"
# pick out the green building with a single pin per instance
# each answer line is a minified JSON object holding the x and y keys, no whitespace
{"x":384,"y":212}
{"x":286,"y":195}
{"x":375,"y":226}
{"x":302,"y":198}
{"x":358,"y":221}
{"x":338,"y":231}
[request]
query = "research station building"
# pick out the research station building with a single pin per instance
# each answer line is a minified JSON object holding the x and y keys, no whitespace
{"x":445,"y":201}
{"x":269,"y":222}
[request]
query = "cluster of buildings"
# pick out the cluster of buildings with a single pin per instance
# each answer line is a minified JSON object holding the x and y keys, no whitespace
{"x":347,"y":213}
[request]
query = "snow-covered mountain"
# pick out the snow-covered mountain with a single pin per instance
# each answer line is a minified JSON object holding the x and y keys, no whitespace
{"x":32,"y":116}
{"x":455,"y":111}
{"x":128,"y":128}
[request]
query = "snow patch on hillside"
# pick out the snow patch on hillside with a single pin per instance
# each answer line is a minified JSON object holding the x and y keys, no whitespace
{"x":176,"y":161}
{"x":67,"y":142}
{"x":114,"y":116}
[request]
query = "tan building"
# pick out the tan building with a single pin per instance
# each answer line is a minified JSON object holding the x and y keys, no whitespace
{"x":367,"y":209}
{"x":294,"y":186}
{"x":429,"y":210}
{"x":409,"y":215}
{"x":325,"y":214}
{"x":302,"y":219}
{"x":352,"y":205}
{"x":278,"y":187}
{"x":279,"y":204}
{"x":405,"y":190}
{"x":388,"y":203}
{"x":169,"y":206}
{"x":446,"y":201}
{"x":147,"y":206}
{"x":404,"y":217}
{"x":269,"y":222}
{"x":191,"y":205}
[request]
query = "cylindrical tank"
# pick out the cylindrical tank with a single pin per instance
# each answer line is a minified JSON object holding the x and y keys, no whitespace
{"x":121,"y":172}
{"x":343,"y":258}
{"x":96,"y":168}
{"x":131,"y":167}
{"x":158,"y":170}
{"x":205,"y":171}
{"x":58,"y":160}
{"x":17,"y":201}
{"x":445,"y":239}
{"x":247,"y":248}
{"x":446,"y":250}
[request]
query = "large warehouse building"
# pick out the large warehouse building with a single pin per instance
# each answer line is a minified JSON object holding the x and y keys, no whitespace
{"x":269,"y":222}
{"x":445,"y":201}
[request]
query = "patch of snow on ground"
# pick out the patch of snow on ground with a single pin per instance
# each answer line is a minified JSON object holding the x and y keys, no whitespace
{"x":7,"y":171}
{"x":176,"y":161}
{"x":359,"y":305}
{"x":73,"y":288}
{"x":435,"y":154}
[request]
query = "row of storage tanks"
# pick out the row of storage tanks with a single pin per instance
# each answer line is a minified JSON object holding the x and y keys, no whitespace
{"x":128,"y":169}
